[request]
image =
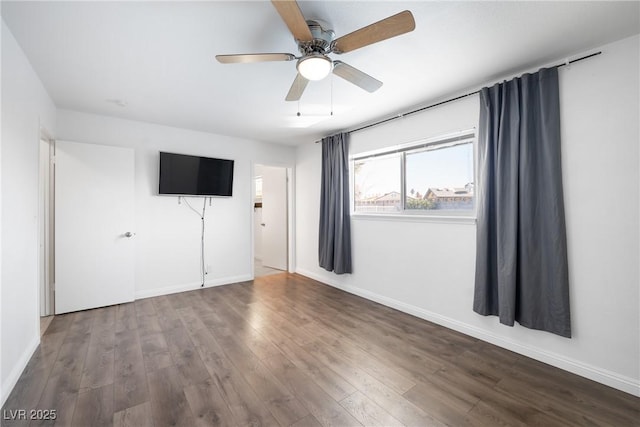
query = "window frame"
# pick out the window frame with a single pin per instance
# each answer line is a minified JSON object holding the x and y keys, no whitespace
{"x":425,"y":144}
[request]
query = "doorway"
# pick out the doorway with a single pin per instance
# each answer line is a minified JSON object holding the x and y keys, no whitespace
{"x":271,"y":220}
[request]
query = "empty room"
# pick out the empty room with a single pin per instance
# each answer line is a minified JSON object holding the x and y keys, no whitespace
{"x":320,"y":213}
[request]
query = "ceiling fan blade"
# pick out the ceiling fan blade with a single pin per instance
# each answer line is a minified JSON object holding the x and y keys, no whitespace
{"x":387,"y":28}
{"x":254,"y":57}
{"x":292,"y":16}
{"x":298,"y":86}
{"x":355,"y":76}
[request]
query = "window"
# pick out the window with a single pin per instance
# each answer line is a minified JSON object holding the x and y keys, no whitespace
{"x":429,"y":176}
{"x":377,"y":182}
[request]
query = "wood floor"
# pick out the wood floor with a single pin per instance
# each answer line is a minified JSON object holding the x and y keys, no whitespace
{"x":287,"y":351}
{"x":44,"y":324}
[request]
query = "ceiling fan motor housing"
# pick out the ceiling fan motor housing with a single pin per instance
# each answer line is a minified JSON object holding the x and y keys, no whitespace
{"x":322,"y":38}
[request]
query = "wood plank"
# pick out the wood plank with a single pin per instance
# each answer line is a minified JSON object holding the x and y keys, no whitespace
{"x":61,"y":390}
{"x":288,"y":319}
{"x":459,"y":386}
{"x":148,"y":324}
{"x":440,"y":404}
{"x":308,"y":421}
{"x":82,"y":323}
{"x":185,"y":356}
{"x":207,"y":405}
{"x":27,"y":392}
{"x":47,"y":352}
{"x":168,"y":403}
{"x":190,"y":319}
{"x":70,"y":361}
{"x":411,"y":362}
{"x":179,"y":300}
{"x":155,"y":351}
{"x":260,"y":345}
{"x":126,"y":317}
{"x":213,"y":321}
{"x":60,"y":323}
{"x":564,"y":412}
{"x":324,"y":408}
{"x":398,"y":406}
{"x":484,"y":364}
{"x":328,"y":380}
{"x":144,"y":307}
{"x":245,"y":405}
{"x":569,"y":396}
{"x":507,"y":411}
{"x":94,"y":408}
{"x":382,"y":370}
{"x":57,"y":396}
{"x":130,"y":380}
{"x":45,"y":321}
{"x":105,"y":317}
{"x":201,"y":306}
{"x":99,"y":365}
{"x":283,"y":405}
{"x":367,"y":411}
{"x":25,"y":395}
{"x":136,"y":416}
{"x":167,"y":317}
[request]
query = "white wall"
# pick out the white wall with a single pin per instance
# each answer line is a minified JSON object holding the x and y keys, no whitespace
{"x":25,"y":107}
{"x":168,"y":234}
{"x":427,"y":268}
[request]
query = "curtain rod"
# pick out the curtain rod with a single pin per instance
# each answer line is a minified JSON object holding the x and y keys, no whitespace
{"x":399,"y":116}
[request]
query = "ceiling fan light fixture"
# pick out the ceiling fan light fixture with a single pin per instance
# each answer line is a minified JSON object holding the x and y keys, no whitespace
{"x":314,"y":67}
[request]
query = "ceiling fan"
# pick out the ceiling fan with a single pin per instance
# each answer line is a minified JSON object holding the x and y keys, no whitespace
{"x":316,"y":41}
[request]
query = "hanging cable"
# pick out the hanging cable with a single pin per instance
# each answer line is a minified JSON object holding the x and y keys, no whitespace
{"x":191,"y":207}
{"x":203,"y":270}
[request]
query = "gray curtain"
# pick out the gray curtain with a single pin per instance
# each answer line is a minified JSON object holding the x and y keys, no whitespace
{"x":521,"y":259}
{"x":335,"y":222}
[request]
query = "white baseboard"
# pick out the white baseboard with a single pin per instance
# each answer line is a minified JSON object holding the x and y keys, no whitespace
{"x":603,"y":376}
{"x":19,"y":367}
{"x":173,"y":289}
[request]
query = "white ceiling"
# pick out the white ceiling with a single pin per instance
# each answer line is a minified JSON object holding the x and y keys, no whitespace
{"x":158,"y":57}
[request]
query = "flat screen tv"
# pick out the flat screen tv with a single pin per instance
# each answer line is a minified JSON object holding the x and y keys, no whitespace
{"x":183,"y":175}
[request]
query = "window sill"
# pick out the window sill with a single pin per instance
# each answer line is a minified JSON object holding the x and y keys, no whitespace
{"x":442,"y":219}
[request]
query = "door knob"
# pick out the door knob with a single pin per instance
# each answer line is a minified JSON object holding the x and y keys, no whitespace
{"x":129,"y":234}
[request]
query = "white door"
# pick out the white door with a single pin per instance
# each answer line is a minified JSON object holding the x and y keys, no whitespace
{"x":94,"y":187}
{"x":274,"y":217}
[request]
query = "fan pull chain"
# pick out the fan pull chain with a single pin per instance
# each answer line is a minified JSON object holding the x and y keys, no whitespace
{"x":298,"y":108}
{"x":332,"y":94}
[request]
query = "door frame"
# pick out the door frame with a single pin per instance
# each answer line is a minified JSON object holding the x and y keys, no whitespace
{"x":46,"y":229}
{"x":291,"y":248}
